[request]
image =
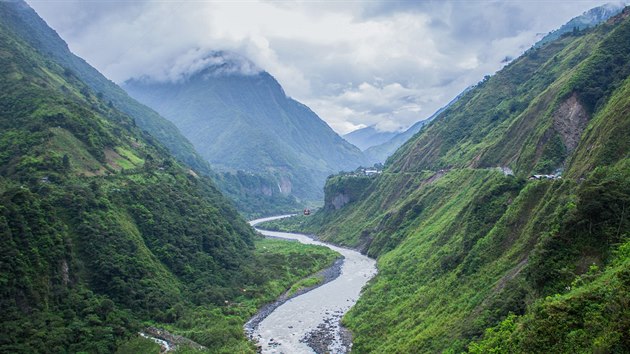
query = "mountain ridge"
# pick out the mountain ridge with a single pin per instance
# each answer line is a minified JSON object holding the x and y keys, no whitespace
{"x":247,"y":122}
{"x":368,"y":137}
{"x":244,"y":192}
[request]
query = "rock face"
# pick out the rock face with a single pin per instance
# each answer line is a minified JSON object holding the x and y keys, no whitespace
{"x":340,"y":200}
{"x":343,"y":189}
{"x":569,"y":121}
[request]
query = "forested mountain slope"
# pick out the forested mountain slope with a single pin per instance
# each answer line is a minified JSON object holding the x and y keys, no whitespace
{"x":102,"y":229}
{"x":20,"y":18}
{"x":245,"y":121}
{"x":253,"y":195}
{"x":474,"y":258}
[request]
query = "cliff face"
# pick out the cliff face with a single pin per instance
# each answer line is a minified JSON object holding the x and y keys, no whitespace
{"x":341,"y":190}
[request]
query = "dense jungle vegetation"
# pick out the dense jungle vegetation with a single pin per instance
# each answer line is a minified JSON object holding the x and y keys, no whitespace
{"x":253,"y":195}
{"x":103,"y":231}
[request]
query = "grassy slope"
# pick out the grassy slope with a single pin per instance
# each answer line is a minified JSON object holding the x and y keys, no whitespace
{"x":101,"y":229}
{"x":24,"y":21}
{"x":461,"y":249}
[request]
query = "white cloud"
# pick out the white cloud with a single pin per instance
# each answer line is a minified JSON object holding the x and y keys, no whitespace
{"x":389,"y":63}
{"x":196,"y":60}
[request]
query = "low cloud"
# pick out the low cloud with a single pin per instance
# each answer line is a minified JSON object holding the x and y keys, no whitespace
{"x":390,"y":107}
{"x":389,"y":63}
{"x":212,"y":63}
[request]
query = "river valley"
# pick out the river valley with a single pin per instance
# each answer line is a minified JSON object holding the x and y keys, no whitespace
{"x":309,"y":323}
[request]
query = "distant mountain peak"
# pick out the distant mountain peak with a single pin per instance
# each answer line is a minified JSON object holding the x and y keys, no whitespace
{"x":367,"y":137}
{"x":588,"y":19}
{"x":240,"y":118}
{"x":224,"y":63}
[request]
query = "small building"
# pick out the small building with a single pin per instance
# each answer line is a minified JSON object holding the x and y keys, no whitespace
{"x":539,"y":177}
{"x":371,"y":171}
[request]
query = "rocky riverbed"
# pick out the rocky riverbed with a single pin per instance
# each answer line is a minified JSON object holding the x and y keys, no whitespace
{"x":329,"y":274}
{"x":310,"y":322}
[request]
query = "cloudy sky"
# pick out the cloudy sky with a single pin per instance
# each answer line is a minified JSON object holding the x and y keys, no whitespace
{"x":355,"y":63}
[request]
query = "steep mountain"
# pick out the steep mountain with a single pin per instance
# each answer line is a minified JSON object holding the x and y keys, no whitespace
{"x":243,"y":120}
{"x":19,"y":17}
{"x":588,"y":19}
{"x":252,"y":197}
{"x":367,"y":137}
{"x":102,"y":230}
{"x":473,"y":253}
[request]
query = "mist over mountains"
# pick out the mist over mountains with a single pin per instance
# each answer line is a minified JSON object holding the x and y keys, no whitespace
{"x":367,"y":137}
{"x":241,"y":119}
{"x":499,"y":224}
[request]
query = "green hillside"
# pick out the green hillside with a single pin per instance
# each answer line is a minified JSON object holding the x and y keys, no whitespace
{"x":103,"y":232}
{"x":22,"y":20}
{"x":473,"y":258}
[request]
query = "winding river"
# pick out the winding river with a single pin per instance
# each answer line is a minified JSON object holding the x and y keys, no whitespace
{"x":309,"y":322}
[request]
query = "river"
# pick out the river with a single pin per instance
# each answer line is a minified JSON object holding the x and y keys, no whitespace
{"x":313,"y":317}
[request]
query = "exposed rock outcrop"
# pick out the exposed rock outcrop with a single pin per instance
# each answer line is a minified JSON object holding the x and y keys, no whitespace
{"x":569,"y":121}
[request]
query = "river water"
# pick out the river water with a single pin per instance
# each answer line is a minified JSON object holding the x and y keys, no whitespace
{"x":315,"y":314}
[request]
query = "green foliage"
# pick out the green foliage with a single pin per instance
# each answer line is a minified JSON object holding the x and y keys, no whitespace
{"x":101,"y":231}
{"x":255,"y":195}
{"x":595,"y":220}
{"x":305,"y":284}
{"x":591,"y":317}
{"x":602,"y":73}
{"x":553,"y":155}
{"x":137,"y":345}
{"x":605,"y":139}
{"x":496,"y":339}
{"x":296,"y":223}
{"x":470,"y":259}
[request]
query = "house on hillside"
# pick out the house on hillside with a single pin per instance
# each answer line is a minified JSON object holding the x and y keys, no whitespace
{"x":539,"y":177}
{"x":371,"y":171}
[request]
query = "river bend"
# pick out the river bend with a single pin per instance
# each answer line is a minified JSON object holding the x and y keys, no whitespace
{"x":313,"y":318}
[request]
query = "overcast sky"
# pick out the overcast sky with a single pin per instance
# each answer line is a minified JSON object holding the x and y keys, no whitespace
{"x":355,"y":63}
